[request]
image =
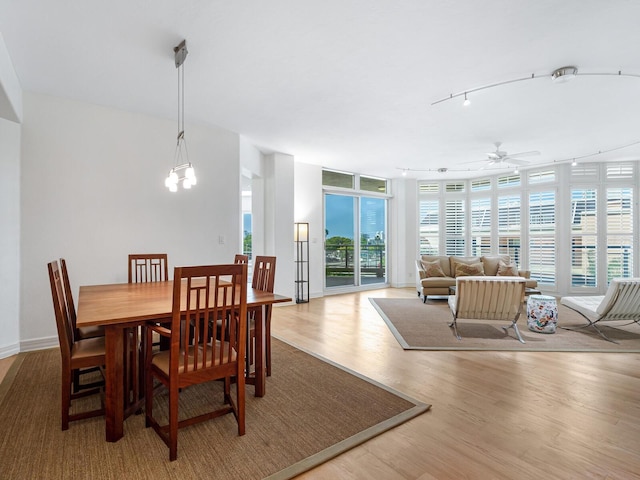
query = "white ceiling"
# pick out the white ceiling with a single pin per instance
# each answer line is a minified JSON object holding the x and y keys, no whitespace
{"x":348,"y":84}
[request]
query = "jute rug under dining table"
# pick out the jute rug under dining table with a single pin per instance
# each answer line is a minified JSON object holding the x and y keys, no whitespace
{"x":419,"y":326}
{"x":313,"y":411}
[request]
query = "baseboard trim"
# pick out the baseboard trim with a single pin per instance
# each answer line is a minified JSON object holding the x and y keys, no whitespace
{"x":9,"y":350}
{"x":38,"y":344}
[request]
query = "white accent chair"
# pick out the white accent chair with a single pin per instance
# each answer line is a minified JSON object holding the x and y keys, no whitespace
{"x":621,"y":302}
{"x":488,"y":298}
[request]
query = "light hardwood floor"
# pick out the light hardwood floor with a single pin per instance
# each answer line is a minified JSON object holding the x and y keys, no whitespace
{"x":495,"y":415}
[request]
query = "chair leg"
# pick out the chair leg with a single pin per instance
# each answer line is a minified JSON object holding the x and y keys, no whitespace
{"x":591,"y":324}
{"x":515,"y":329}
{"x":148,"y":382}
{"x":173,"y":423}
{"x":66,"y":399}
{"x":455,"y":329}
{"x":267,"y":342}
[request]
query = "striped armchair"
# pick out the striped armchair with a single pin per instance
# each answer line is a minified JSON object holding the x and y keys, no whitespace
{"x":488,"y":298}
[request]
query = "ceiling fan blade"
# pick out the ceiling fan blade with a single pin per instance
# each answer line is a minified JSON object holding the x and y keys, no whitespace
{"x":525,"y":154}
{"x":517,"y":161}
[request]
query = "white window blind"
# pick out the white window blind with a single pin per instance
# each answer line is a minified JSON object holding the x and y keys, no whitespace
{"x":542,"y":176}
{"x":481,"y":185}
{"x":619,"y":232}
{"x":542,"y":241}
{"x":429,"y":227}
{"x":428,"y":188}
{"x":480,"y":226}
{"x":454,"y":227}
{"x":584,"y":240}
{"x":454,"y":187}
{"x":509,"y":181}
{"x":617,"y":171}
{"x":509,"y":228}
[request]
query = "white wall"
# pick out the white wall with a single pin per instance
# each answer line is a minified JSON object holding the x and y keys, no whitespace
{"x":9,"y":237}
{"x":278,"y":217}
{"x":308,"y":207}
{"x":10,"y":90}
{"x":93,"y":191}
{"x":403,"y":223}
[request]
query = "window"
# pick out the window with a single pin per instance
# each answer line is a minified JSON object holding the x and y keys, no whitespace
{"x":370,"y":184}
{"x":542,"y":177}
{"x":509,"y":181}
{"x":429,"y":227}
{"x":619,"y":233}
{"x":542,"y":238}
{"x":509,"y":227}
{"x":480,"y":226}
{"x":454,"y":187}
{"x":481,"y":185}
{"x":332,"y":178}
{"x":584,"y":240}
{"x":454,"y":227}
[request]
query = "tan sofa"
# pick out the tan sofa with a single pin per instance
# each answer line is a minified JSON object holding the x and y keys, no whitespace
{"x":439,"y":285}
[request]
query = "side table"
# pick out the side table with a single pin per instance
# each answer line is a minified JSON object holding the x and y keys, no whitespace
{"x":542,"y":313}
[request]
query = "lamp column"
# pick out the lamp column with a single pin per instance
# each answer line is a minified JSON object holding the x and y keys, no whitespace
{"x":301,"y":239}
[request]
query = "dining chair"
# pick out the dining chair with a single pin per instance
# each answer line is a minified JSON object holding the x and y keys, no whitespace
{"x":78,"y":333}
{"x":76,"y":353}
{"x":239,"y":258}
{"x":143,"y":268}
{"x":83,"y":332}
{"x":264,"y":275}
{"x":199,"y":294}
{"x":148,"y":267}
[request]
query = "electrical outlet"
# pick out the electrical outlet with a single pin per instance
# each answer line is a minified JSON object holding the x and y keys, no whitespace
{"x":221,"y":239}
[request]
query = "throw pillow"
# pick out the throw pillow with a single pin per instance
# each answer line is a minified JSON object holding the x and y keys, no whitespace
{"x":467,"y":270}
{"x":432,"y":269}
{"x":507,"y":270}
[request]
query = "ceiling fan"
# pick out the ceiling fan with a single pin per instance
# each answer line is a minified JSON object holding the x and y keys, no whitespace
{"x":500,"y":156}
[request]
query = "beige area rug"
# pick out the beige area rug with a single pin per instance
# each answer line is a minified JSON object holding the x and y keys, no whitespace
{"x":313,"y":411}
{"x":419,"y":326}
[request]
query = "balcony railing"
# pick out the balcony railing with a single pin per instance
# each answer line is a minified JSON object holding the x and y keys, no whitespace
{"x":339,"y":260}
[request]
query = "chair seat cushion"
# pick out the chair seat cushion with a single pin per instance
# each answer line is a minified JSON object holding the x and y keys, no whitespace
{"x":161,"y":359}
{"x":587,"y":306}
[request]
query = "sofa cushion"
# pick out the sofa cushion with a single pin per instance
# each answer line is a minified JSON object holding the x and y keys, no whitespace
{"x":438,"y":282}
{"x":467,"y":270}
{"x":492,"y":262}
{"x":444,"y":262}
{"x":432,"y":269}
{"x":510,"y":270}
{"x":464,"y":260}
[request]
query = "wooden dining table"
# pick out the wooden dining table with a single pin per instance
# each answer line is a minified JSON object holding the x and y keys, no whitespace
{"x":123,"y":306}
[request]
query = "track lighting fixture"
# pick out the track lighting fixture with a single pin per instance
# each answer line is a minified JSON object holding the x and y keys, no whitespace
{"x":559,"y":75}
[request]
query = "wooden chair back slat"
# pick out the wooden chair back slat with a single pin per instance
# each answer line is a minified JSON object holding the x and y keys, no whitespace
{"x":239,"y":258}
{"x":264,"y":273}
{"x":148,"y":267}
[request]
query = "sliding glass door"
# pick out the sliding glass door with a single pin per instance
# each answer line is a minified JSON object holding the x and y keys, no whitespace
{"x":355,"y":240}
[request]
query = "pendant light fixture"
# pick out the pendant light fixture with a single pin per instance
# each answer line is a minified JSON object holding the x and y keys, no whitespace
{"x":183,"y":171}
